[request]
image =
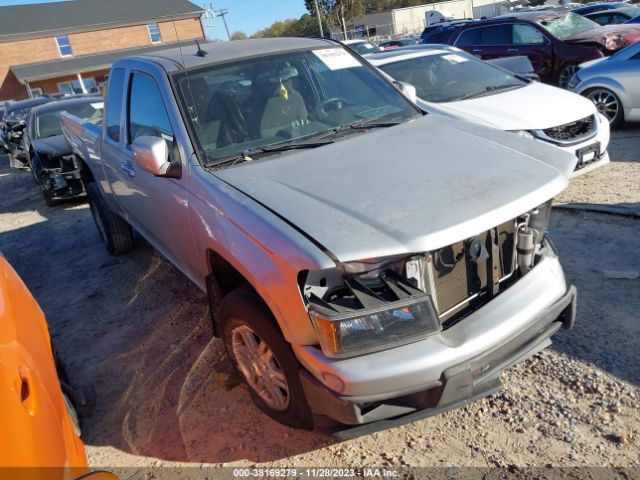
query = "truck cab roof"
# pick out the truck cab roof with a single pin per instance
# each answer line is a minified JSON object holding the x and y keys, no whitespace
{"x":186,"y":56}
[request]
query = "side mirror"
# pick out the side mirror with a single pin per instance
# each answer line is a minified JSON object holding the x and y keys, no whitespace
{"x":407,"y":90}
{"x":152,"y":155}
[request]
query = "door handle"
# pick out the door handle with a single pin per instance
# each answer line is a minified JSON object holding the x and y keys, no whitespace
{"x":128,"y":168}
{"x":512,"y":50}
{"x":477,"y":50}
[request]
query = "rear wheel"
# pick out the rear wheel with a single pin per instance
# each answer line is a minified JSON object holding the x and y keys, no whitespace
{"x":263,"y":359}
{"x":565,"y":75}
{"x":608,"y":104}
{"x":116,"y":234}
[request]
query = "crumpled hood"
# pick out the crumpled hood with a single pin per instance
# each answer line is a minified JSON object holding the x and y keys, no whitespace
{"x":557,"y":107}
{"x":612,"y":37}
{"x":414,"y":187}
{"x":53,"y":146}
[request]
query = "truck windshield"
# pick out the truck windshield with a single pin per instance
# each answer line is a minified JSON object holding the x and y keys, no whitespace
{"x":445,"y":76}
{"x":255,"y":103}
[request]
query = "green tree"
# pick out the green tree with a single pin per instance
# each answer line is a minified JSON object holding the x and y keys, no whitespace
{"x":337,"y":12}
{"x":239,"y":36}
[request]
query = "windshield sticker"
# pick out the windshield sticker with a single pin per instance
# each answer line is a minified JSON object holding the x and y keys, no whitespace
{"x":453,"y":58}
{"x":336,"y":58}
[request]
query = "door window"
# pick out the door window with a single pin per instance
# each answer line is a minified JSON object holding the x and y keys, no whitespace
{"x":526,"y":35}
{"x":469,"y":38}
{"x":147,"y":112}
{"x":114,"y":104}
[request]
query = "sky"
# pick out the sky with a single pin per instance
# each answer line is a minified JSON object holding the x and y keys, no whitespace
{"x":248,"y":16}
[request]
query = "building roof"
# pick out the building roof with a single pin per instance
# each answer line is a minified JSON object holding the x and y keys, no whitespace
{"x":19,"y":22}
{"x":56,"y":68}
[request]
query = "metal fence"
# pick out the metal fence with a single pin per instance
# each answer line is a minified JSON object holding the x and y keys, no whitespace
{"x":379,"y":33}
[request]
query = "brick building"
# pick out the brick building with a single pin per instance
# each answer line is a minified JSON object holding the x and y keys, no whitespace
{"x":69,"y":46}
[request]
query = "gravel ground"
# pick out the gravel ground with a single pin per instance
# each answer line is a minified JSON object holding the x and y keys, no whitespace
{"x":137,"y":333}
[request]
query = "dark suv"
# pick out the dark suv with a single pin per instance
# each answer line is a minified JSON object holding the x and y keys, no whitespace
{"x":556,"y":42}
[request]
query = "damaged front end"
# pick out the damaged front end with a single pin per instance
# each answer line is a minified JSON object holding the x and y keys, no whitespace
{"x":59,"y":175}
{"x":377,"y":304}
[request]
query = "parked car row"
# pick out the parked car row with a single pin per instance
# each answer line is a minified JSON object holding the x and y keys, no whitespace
{"x":364,"y":259}
{"x":613,"y":84}
{"x":366,"y":47}
{"x":556,"y":42}
{"x":34,"y":140}
{"x":451,"y":81}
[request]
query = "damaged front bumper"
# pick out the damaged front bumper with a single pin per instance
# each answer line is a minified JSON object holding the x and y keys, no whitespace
{"x":444,"y":371}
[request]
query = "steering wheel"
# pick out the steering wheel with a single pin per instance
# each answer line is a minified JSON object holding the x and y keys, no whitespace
{"x":322,"y":111}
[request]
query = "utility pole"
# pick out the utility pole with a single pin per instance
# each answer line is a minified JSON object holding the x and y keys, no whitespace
{"x":319,"y":19}
{"x":211,"y":13}
{"x":221,"y":13}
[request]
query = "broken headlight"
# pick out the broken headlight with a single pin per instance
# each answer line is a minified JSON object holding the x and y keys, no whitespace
{"x":366,"y":306}
{"x":392,"y":325}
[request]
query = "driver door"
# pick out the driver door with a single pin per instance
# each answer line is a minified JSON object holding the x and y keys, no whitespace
{"x":157,"y":207}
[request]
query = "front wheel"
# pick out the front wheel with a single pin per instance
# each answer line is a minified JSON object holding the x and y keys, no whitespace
{"x":263,"y":359}
{"x":565,"y":75}
{"x":608,"y":104}
{"x":116,"y":234}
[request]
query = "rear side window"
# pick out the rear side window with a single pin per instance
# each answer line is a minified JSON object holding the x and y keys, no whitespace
{"x":114,"y":104}
{"x":147,"y":113}
{"x":491,"y":35}
{"x":439,"y":37}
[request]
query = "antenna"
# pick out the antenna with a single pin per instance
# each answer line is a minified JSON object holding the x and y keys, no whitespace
{"x":200,"y":52}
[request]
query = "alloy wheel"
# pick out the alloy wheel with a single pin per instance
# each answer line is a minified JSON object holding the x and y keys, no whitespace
{"x":606,"y":103}
{"x":260,"y":368}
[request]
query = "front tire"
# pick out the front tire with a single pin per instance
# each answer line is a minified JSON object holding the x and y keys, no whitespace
{"x":608,"y":104}
{"x":263,"y":359}
{"x":116,"y":234}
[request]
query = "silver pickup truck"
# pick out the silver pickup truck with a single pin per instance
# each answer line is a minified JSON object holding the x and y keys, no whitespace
{"x":363,"y":260}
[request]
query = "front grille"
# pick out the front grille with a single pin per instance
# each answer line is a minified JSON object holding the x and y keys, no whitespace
{"x":572,"y":132}
{"x":459,"y":282}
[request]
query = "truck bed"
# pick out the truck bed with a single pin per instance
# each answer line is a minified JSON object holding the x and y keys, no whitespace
{"x":84,"y":138}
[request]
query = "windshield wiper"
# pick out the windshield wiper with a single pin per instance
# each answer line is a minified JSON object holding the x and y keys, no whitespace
{"x":366,"y":124}
{"x":257,"y":152}
{"x":488,"y":90}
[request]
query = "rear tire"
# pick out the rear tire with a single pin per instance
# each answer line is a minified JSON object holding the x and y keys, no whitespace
{"x":116,"y":234}
{"x":608,"y":104}
{"x":263,"y":359}
{"x":565,"y":75}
